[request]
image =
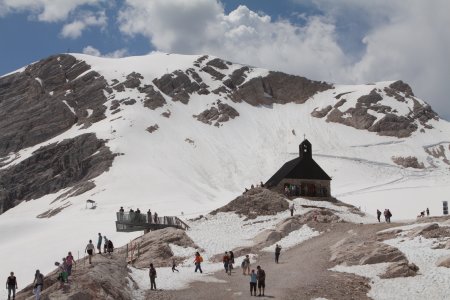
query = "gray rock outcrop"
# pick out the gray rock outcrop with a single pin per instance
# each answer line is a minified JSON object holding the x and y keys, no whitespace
{"x":221,"y":114}
{"x":37,"y":104}
{"x":279,"y":88}
{"x":54,"y":167}
{"x":408,"y":162}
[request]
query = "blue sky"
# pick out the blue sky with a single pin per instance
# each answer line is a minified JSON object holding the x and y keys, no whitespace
{"x":345,"y":41}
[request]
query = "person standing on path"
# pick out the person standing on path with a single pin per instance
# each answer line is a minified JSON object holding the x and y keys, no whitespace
{"x":231,"y":262}
{"x":226,"y":261}
{"x":11,"y":285}
{"x":378,"y":215}
{"x":246,"y":266}
{"x":38,"y":283}
{"x":261,"y":276}
{"x":292,"y":208}
{"x":90,"y":250}
{"x":389,"y":215}
{"x":152,"y":274}
{"x":428,"y":212}
{"x":99,"y":243}
{"x":253,"y":280}
{"x":198,"y":262}
{"x":277,"y":252}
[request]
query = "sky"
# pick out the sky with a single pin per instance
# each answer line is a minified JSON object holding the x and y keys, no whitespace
{"x":340,"y":41}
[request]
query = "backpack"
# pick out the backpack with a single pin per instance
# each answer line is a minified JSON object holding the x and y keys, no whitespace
{"x":110,"y":245}
{"x":201,"y":259}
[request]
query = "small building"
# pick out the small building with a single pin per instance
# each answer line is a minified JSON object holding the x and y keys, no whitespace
{"x":301,"y":176}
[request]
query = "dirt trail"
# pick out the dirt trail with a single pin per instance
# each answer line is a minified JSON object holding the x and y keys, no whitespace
{"x":301,"y":274}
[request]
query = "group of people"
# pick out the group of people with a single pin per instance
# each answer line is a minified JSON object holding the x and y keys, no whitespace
{"x":261,"y":184}
{"x":65,"y":268}
{"x":422,"y":213}
{"x":38,"y":283}
{"x":387,"y":215}
{"x":228,"y":261}
{"x":108,"y":247}
{"x":135,"y":216}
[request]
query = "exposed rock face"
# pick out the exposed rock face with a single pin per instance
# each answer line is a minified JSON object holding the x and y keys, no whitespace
{"x":439,"y":152}
{"x":54,"y":167}
{"x":153,"y":99}
{"x":177,"y":85}
{"x":256,"y":202}
{"x":153,"y":128}
{"x":221,"y":114}
{"x":155,"y":248}
{"x":37,"y":104}
{"x":279,"y":88}
{"x":390,"y":124}
{"x":218,"y":63}
{"x":408,"y":162}
{"x":322,"y":112}
{"x":402,"y":87}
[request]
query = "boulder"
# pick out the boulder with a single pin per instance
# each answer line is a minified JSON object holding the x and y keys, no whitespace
{"x":400,"y":269}
{"x":154,"y":246}
{"x":444,"y":262}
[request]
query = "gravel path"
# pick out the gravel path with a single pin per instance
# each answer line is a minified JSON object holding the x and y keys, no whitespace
{"x":301,"y":274}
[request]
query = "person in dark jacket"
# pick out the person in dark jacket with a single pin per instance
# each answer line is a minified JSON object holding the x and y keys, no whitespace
{"x":261,"y":276}
{"x":378,"y":215}
{"x":277,"y":252}
{"x":11,"y":285}
{"x":152,"y":273}
{"x":38,"y":284}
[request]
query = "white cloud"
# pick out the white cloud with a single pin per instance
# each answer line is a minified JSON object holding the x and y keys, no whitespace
{"x":90,"y":50}
{"x":44,"y":10}
{"x":398,"y":40}
{"x":75,"y":29}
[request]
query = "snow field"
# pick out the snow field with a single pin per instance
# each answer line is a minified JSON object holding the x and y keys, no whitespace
{"x":294,"y":238}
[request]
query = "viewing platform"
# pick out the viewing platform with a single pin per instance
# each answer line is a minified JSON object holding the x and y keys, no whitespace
{"x":129,"y":222}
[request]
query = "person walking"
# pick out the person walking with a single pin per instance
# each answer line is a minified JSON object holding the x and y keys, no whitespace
{"x":261,"y":276}
{"x":198,"y":262}
{"x":428,"y":212}
{"x":63,"y":274}
{"x":99,"y":243}
{"x":226,"y":261}
{"x":110,"y":247}
{"x":174,"y":265}
{"x":292,"y":208}
{"x":385,"y":213}
{"x":253,"y":280}
{"x":69,"y":261}
{"x":90,"y":250}
{"x":152,"y":273}
{"x":389,"y":215}
{"x":11,"y":286}
{"x":156,"y":218}
{"x":277,"y":252}
{"x":38,"y":284}
{"x":246,"y":267}
{"x":378,"y":215}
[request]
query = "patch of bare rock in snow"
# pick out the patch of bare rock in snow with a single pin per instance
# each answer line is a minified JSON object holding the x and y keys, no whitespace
{"x":408,"y":262}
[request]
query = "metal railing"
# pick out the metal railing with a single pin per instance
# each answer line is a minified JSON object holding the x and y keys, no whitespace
{"x":149,"y":221}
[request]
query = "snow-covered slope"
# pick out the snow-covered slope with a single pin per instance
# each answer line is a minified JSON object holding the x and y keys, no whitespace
{"x":185,"y":166}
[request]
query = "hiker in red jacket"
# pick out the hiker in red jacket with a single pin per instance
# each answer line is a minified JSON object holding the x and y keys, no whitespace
{"x":198,"y":261}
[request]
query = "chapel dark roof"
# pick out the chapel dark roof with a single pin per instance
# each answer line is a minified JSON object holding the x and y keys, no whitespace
{"x":302,"y":167}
